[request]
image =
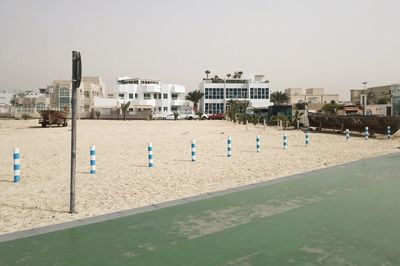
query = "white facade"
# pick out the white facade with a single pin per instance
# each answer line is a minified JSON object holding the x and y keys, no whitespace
{"x":150,"y":94}
{"x":218,"y":92}
{"x":5,"y":97}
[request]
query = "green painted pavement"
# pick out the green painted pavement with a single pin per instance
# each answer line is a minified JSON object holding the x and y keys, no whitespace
{"x":346,"y":215}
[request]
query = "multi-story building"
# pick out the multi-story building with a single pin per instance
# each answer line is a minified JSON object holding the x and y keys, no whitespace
{"x":151,"y":95}
{"x":395,"y":93}
{"x":218,"y":92}
{"x":386,"y":94}
{"x":373,"y":94}
{"x":5,"y":97}
{"x":60,"y":93}
{"x":30,"y":103}
{"x":312,"y":96}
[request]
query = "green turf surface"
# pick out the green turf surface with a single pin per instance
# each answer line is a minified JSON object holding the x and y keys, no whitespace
{"x":348,"y":215}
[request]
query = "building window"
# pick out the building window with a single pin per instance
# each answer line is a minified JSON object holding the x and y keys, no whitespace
{"x":214,"y":108}
{"x":87,"y":108}
{"x":65,"y":100}
{"x":87,"y":94}
{"x":40,"y":107}
{"x":130,"y":95}
{"x":165,"y":109}
{"x":165,"y":95}
{"x":214,"y":93}
{"x":159,"y":109}
{"x":174,"y":108}
{"x":174,"y":96}
{"x":121,"y":96}
{"x":259,"y":93}
{"x":236,"y":93}
{"x":135,"y":95}
{"x":146,"y":96}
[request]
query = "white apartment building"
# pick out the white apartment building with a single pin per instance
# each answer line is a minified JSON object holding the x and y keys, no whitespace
{"x":149,"y":94}
{"x":218,"y":92}
{"x":5,"y":97}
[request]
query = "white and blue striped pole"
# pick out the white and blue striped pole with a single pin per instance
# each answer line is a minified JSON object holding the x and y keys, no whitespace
{"x":92,"y":159}
{"x":229,"y":147}
{"x":347,"y":135}
{"x":150,"y":152}
{"x":366,"y":133}
{"x":258,"y":143}
{"x":389,"y":133}
{"x":307,"y":138}
{"x":285,"y":141}
{"x":17,"y":165}
{"x":193,"y":150}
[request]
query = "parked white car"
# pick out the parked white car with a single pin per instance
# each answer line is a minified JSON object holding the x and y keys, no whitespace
{"x":194,"y":116}
{"x":170,"y":117}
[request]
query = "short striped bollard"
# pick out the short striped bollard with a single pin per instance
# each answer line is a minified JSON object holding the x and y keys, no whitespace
{"x":258,"y":143}
{"x":366,"y":133}
{"x":229,"y":147}
{"x":193,"y":150}
{"x":347,"y":135}
{"x":17,"y":165}
{"x":285,"y":141}
{"x":92,"y":159}
{"x":150,"y":152}
{"x":389,"y":133}
{"x":307,"y":138}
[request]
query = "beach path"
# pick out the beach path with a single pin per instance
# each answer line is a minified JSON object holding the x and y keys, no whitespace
{"x":342,"y":215}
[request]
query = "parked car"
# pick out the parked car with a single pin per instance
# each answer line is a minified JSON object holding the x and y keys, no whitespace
{"x":196,"y":116}
{"x":170,"y":117}
{"x":192,"y":116}
{"x":216,"y":116}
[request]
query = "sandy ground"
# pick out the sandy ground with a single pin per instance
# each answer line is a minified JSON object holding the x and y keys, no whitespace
{"x":124,"y":181}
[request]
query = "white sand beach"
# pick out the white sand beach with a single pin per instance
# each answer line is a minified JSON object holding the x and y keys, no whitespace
{"x":123,"y":180}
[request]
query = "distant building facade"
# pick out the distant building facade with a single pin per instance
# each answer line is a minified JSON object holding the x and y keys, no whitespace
{"x":311,"y":96}
{"x":60,"y":93}
{"x":374,"y":93}
{"x":151,"y":95}
{"x":218,"y":92}
{"x":385,"y":95}
{"x":5,"y":97}
{"x":395,"y":92}
{"x":30,"y":103}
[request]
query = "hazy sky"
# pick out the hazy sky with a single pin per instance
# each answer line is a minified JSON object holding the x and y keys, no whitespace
{"x":333,"y":44}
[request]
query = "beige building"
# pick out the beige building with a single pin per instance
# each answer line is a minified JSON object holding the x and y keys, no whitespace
{"x":373,"y":94}
{"x":311,"y":96}
{"x":30,"y":104}
{"x":60,"y":95}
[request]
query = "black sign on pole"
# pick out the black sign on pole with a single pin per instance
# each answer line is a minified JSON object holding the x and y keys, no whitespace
{"x":76,"y":81}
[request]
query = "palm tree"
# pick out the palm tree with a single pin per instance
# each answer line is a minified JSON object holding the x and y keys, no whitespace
{"x":207,"y":73}
{"x":194,"y":96}
{"x":240,"y":73}
{"x":301,"y":105}
{"x":228,"y":75}
{"x":371,"y":97}
{"x":279,"y":97}
{"x":124,"y":108}
{"x":233,"y":109}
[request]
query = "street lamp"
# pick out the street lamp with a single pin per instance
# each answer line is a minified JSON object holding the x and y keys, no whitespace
{"x":365,"y":98}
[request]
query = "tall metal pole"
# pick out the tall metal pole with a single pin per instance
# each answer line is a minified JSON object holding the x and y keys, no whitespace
{"x":366,"y":98}
{"x":75,"y":83}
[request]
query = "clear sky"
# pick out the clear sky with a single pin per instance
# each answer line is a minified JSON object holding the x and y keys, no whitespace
{"x":297,"y":43}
